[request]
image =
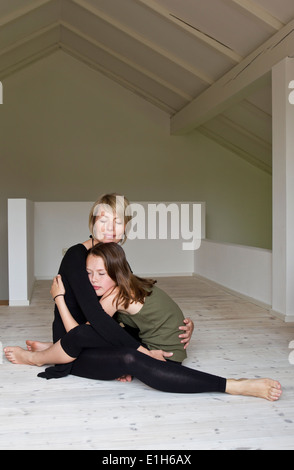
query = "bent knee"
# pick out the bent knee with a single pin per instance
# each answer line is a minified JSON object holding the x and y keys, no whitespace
{"x":128,"y":356}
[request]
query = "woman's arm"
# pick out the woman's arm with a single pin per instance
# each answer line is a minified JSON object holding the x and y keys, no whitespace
{"x":187,"y":332}
{"x":78,"y":287}
{"x":58,"y":291}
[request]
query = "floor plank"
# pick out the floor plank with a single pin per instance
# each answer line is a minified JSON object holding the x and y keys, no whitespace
{"x":233,"y":337}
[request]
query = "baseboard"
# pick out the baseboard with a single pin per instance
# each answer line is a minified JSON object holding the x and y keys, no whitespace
{"x":19,"y":303}
{"x":282,"y":316}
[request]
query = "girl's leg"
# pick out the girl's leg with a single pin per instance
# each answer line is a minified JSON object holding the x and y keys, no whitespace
{"x":37,"y":345}
{"x":53,"y":355}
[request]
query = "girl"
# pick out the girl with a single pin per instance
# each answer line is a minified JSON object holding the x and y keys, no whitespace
{"x":111,"y":278}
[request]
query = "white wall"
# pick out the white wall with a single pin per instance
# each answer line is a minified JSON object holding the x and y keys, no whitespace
{"x":243,"y":269}
{"x":59,"y":225}
{"x":46,"y":229}
{"x":69,"y":133}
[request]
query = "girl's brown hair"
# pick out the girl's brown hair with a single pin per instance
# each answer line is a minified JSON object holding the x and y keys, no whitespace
{"x":131,"y":288}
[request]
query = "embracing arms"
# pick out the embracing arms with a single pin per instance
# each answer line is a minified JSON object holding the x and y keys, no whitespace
{"x":58,"y":292}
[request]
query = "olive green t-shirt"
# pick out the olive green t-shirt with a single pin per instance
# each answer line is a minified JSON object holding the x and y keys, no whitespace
{"x":158,"y":321}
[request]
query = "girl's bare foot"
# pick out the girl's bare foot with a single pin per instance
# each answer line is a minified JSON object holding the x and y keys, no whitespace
{"x":125,"y":378}
{"x":261,"y":388}
{"x":18,"y":355}
{"x":37,"y":345}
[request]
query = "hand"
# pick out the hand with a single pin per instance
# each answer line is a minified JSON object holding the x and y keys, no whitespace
{"x":160,"y":355}
{"x":187,"y":332}
{"x":57,"y":287}
{"x":155,"y":353}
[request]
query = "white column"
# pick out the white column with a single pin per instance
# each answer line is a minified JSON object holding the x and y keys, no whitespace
{"x":20,"y":251}
{"x":283,"y":190}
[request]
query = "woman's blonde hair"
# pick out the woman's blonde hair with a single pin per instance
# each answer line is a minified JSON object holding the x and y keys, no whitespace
{"x":130,"y":288}
{"x":115,"y":203}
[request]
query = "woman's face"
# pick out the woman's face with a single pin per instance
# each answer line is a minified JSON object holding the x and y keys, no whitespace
{"x":98,"y":275}
{"x":109,"y":227}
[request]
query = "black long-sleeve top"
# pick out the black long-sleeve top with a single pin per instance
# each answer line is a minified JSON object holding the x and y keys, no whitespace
{"x":84,"y":304}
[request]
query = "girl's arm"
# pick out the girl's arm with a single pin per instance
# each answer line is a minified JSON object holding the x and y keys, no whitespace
{"x":58,"y":291}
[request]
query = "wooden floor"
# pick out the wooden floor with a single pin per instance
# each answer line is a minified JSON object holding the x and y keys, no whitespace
{"x":233,"y":338}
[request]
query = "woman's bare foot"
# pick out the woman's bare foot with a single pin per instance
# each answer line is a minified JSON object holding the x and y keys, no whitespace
{"x":18,"y":355}
{"x":261,"y":388}
{"x":37,"y":345}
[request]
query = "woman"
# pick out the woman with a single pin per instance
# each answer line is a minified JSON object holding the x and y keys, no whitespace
{"x":112,"y":279}
{"x":108,"y":220}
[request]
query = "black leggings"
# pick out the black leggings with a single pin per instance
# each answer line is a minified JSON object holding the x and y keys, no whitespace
{"x":108,"y":363}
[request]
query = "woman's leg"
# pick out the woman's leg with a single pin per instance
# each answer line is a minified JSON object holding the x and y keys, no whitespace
{"x":108,"y":364}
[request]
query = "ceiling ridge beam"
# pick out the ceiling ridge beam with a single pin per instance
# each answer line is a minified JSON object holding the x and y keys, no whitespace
{"x":128,"y":62}
{"x":204,"y":38}
{"x":146,"y":42}
{"x":121,"y":81}
{"x":258,"y":12}
{"x":236,"y":84}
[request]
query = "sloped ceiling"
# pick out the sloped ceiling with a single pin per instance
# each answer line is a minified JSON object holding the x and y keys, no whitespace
{"x":205,"y":63}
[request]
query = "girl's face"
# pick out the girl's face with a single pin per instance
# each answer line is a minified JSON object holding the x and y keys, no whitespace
{"x":98,"y":275}
{"x":109,"y":227}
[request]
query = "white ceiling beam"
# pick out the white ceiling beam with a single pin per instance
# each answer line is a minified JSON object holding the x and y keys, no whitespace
{"x":29,"y":50}
{"x":199,"y":35}
{"x":29,"y":60}
{"x":258,"y":12}
{"x":237,"y":150}
{"x":28,"y":9}
{"x":237,"y":84}
{"x":145,"y":42}
{"x":53,"y":30}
